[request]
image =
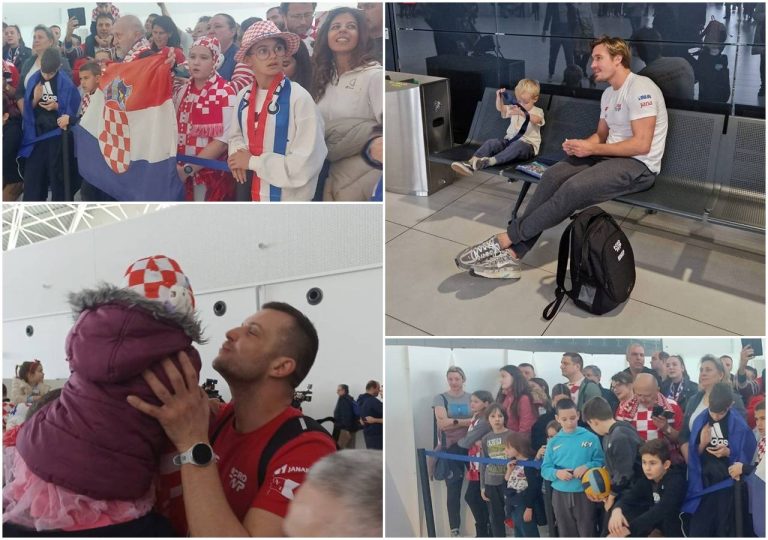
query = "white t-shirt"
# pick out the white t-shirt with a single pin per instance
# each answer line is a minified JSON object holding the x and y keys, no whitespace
{"x":357,"y":94}
{"x":638,"y":97}
{"x":532,"y":133}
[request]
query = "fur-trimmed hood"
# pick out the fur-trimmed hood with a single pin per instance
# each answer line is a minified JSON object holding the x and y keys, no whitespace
{"x":90,"y":440}
{"x":107,"y":293}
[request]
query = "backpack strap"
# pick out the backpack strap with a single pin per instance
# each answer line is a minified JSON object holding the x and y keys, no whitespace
{"x":290,"y":429}
{"x":562,"y":265}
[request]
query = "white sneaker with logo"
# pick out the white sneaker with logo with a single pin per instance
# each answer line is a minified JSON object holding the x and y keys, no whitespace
{"x":501,"y":266}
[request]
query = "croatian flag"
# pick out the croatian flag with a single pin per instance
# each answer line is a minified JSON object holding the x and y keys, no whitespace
{"x":126,"y":140}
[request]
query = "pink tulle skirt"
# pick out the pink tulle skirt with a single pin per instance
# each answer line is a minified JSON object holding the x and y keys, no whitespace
{"x":36,"y":504}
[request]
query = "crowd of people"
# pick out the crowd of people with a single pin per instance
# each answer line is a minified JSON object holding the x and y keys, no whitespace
{"x":327,"y":65}
{"x":131,"y":445}
{"x":659,"y":438}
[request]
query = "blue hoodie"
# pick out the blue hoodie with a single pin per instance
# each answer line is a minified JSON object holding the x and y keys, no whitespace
{"x":568,"y":451}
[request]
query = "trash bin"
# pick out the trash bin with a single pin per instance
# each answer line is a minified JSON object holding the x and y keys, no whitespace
{"x":418,"y":123}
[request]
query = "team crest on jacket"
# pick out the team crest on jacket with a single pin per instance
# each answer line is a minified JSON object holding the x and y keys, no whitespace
{"x":115,"y":140}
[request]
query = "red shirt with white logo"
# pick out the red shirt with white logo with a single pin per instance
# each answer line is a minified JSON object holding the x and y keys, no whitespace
{"x":239,"y":455}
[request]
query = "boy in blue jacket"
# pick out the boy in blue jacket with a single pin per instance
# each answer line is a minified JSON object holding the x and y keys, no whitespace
{"x":569,"y":454}
{"x":47,"y":96}
{"x":718,"y":440}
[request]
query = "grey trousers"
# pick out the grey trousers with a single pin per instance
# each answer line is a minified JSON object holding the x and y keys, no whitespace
{"x":574,"y":184}
{"x":574,"y":514}
{"x":504,"y":151}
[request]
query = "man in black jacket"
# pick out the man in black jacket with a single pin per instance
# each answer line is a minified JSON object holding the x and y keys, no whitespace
{"x":652,"y":504}
{"x":594,"y":374}
{"x":346,"y":417}
{"x":636,"y":361}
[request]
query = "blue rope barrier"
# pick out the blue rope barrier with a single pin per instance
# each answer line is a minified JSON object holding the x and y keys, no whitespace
{"x":207,"y":163}
{"x":724,"y":484}
{"x":483,"y":460}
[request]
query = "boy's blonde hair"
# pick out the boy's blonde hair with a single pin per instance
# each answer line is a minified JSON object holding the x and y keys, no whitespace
{"x":528,"y":86}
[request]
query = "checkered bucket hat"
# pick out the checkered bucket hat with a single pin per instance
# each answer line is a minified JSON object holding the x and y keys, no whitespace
{"x":160,"y":278}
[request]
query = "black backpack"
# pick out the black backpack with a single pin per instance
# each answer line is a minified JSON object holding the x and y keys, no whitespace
{"x":602,"y":265}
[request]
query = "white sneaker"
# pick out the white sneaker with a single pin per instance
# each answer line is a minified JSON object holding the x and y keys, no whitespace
{"x":502,"y":266}
{"x":478,"y":253}
{"x":463,"y":168}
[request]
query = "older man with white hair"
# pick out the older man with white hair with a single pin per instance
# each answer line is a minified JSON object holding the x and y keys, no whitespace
{"x":340,"y":497}
{"x":129,"y":38}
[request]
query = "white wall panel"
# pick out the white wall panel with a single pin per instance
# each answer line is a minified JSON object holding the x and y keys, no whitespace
{"x":46,"y":344}
{"x":348,"y":322}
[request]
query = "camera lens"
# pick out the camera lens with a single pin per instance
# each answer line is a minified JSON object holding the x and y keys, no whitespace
{"x":219,"y":308}
{"x":314,"y":296}
{"x":30,"y":330}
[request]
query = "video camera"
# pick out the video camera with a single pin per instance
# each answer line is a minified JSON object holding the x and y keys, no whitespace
{"x":209,"y":386}
{"x":300,"y":396}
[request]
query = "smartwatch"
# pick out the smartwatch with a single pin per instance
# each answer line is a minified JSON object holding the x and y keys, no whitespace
{"x":201,"y":454}
{"x":188,"y":170}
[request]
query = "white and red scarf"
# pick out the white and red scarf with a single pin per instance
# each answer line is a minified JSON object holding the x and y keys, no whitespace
{"x":139,"y":48}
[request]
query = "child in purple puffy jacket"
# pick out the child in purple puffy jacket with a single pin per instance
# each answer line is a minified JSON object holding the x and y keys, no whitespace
{"x":88,"y":459}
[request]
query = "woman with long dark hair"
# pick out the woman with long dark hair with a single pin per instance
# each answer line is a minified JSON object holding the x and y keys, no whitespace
{"x":347,"y":87}
{"x":165,"y":34}
{"x":515,"y":397}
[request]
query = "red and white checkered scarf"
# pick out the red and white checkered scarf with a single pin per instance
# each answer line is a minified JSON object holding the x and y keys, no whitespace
{"x":206,"y":109}
{"x":140,"y":47}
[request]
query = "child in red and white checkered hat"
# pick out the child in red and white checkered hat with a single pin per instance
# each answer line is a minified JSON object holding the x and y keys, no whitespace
{"x":89,"y":460}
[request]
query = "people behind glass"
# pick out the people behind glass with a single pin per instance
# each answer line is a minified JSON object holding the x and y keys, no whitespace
{"x":350,"y":58}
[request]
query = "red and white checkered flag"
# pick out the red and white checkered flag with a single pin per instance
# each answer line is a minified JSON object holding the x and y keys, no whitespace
{"x":115,"y":140}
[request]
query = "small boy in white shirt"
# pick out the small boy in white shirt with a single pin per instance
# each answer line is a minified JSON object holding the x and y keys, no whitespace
{"x":508,"y":149}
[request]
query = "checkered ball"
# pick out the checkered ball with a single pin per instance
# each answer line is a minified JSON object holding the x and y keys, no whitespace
{"x":160,"y":278}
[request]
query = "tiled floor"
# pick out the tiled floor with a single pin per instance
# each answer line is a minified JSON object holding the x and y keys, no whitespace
{"x":692,"y":278}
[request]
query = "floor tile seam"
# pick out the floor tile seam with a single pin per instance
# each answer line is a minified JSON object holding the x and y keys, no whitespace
{"x":406,"y":324}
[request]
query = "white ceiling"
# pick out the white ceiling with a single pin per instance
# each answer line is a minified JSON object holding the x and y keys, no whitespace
{"x":25,"y":224}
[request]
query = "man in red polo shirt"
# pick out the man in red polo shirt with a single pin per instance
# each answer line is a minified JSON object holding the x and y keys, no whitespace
{"x":263,"y":361}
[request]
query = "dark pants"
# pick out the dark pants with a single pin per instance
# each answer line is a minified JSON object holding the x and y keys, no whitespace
{"x":555,"y":42}
{"x":496,"y":494}
{"x":453,"y":487}
{"x":479,"y":509}
{"x":714,"y":516}
{"x":505,"y":151}
{"x":44,"y":169}
{"x":574,"y":184}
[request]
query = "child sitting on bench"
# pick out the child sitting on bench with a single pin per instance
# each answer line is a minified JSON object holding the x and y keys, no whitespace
{"x":511,"y":147}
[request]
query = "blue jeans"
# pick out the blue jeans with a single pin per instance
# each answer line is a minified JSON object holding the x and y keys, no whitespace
{"x":505,"y":152}
{"x":514,"y":509}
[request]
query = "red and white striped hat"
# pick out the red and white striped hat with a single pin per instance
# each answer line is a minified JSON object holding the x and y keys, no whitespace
{"x":160,"y":278}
